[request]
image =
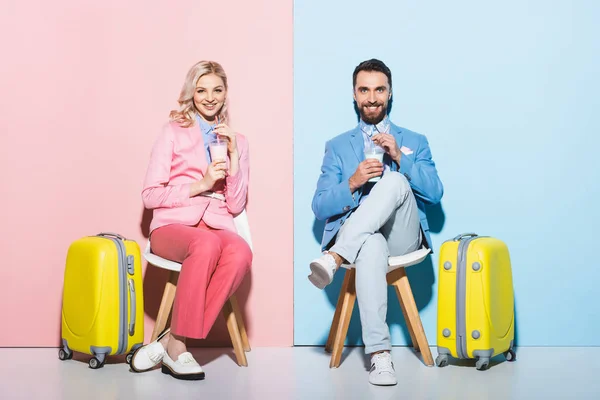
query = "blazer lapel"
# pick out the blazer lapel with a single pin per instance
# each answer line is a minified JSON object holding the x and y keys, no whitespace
{"x":196,"y":139}
{"x":397,"y":133}
{"x":358,"y":145}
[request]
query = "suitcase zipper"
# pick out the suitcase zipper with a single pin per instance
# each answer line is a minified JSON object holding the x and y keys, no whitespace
{"x":461,"y":289}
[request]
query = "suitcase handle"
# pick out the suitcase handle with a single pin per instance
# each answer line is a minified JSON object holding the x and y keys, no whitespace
{"x":465,"y":235}
{"x":111,"y":234}
{"x":131,"y":307}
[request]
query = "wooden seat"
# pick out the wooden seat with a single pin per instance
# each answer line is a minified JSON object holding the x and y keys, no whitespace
{"x":396,"y":277}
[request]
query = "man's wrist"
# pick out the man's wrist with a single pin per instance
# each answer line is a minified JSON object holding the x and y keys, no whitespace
{"x":352,"y":186}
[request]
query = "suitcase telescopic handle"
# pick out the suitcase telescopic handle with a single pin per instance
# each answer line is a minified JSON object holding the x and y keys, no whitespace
{"x":111,"y":234}
{"x":132,"y":308}
{"x":465,"y":235}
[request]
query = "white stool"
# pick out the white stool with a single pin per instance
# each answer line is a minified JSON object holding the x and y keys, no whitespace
{"x":231,"y":311}
{"x":396,"y":276}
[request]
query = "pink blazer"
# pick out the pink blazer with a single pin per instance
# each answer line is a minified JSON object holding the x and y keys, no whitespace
{"x":178,"y":159}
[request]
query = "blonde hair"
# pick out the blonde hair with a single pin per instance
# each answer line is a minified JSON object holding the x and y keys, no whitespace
{"x":187,"y":112}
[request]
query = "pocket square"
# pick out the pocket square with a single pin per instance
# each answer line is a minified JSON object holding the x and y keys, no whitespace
{"x":406,"y":150}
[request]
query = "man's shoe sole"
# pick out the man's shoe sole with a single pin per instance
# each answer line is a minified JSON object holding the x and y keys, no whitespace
{"x":319,"y":276}
{"x":383,"y":384}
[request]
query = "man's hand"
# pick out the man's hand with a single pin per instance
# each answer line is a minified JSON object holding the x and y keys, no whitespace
{"x":366,"y":170}
{"x":388,"y":142}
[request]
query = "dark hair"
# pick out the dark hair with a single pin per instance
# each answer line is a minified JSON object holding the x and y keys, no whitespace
{"x":372,"y":65}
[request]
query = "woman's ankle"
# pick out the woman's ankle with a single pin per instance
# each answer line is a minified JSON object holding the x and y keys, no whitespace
{"x":176,"y":346}
{"x":165,"y":340}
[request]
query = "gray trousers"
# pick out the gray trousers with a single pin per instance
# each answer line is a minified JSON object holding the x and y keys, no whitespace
{"x":385,"y":224}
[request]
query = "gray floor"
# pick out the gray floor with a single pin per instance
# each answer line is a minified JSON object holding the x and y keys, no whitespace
{"x":303,"y":373}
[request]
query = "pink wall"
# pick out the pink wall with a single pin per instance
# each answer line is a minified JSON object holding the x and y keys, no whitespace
{"x":85,"y":88}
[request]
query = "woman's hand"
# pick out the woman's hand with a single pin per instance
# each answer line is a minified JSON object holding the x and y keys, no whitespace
{"x":225,"y":133}
{"x":216,"y":171}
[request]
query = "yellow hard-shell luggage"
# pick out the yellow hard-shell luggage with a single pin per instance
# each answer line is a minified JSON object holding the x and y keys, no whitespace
{"x":103,"y":307}
{"x":475,"y":300}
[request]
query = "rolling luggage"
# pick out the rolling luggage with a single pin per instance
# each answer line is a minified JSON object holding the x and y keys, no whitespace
{"x":103,"y":308}
{"x":475,"y":300}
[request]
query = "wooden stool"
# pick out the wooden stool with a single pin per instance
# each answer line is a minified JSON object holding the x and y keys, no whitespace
{"x":396,"y":277}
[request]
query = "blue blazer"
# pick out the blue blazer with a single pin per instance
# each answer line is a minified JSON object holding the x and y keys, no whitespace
{"x":333,"y":201}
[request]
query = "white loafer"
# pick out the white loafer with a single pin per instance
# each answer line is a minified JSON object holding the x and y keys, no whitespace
{"x":149,"y":356}
{"x":185,"y":367}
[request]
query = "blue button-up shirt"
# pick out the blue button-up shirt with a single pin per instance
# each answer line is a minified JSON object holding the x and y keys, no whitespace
{"x":208,"y":135}
{"x":368,"y":131}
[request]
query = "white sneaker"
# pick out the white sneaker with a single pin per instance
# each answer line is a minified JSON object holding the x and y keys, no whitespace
{"x":382,"y":370}
{"x":185,"y":367}
{"x":322,"y":269}
{"x":149,"y":356}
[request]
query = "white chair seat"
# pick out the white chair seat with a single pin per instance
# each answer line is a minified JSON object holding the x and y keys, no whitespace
{"x":159,"y":261}
{"x":405,"y":260}
{"x":241,"y":224}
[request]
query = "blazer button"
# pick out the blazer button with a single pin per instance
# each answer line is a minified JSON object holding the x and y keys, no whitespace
{"x":346,"y":208}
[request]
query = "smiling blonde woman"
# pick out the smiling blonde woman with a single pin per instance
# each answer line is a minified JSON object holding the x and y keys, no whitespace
{"x":195,"y":188}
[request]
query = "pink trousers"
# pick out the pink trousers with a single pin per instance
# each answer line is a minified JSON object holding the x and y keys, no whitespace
{"x":214,"y":263}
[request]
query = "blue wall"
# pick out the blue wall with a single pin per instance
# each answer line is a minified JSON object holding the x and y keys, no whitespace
{"x":508,"y":96}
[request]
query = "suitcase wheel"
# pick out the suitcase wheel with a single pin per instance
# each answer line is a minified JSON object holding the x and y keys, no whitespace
{"x":129,"y":358}
{"x":94,"y":363}
{"x":482,"y":363}
{"x":63,"y":355}
{"x":441,"y":360}
{"x":510,"y":355}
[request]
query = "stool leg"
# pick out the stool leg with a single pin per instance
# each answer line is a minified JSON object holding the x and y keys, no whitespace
{"x":166,"y":304}
{"x":240,"y":322}
{"x":335,"y":323}
{"x":349,"y":292}
{"x":234,"y":333}
{"x":393,"y":277}
{"x":411,"y":314}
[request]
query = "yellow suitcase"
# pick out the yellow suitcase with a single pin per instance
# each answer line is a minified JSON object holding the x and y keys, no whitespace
{"x":103,"y":307}
{"x":475,"y":300}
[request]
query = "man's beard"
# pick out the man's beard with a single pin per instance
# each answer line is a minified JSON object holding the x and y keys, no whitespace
{"x":369,"y":117}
